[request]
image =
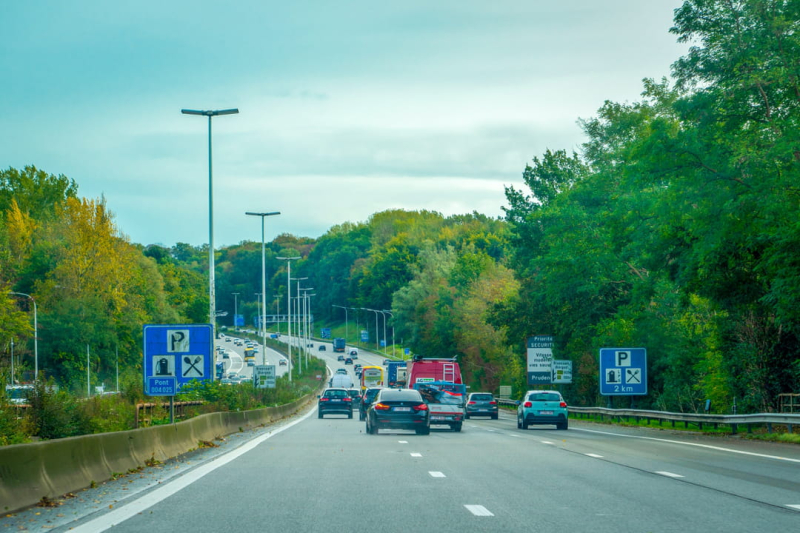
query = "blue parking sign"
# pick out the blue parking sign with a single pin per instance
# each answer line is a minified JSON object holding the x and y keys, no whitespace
{"x":176,"y":354}
{"x":623,"y":371}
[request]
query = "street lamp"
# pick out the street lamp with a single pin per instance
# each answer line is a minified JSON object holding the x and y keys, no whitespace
{"x":346,"y":328}
{"x":212,"y":312}
{"x":384,"y":333}
{"x":277,"y":313}
{"x":235,"y":310}
{"x":35,"y":335}
{"x":297,"y":308}
{"x":289,"y":307}
{"x":306,"y":320}
{"x":263,"y":278}
{"x":377,"y":337}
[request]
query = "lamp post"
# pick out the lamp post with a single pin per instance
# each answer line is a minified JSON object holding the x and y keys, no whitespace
{"x":297,"y":308}
{"x":377,"y":337}
{"x":289,"y":307}
{"x":235,"y":310}
{"x":263,"y":279}
{"x":277,"y":313}
{"x":346,"y":328}
{"x":384,"y":333}
{"x":35,"y":335}
{"x":307,"y":320}
{"x":258,"y":307}
{"x":212,"y":311}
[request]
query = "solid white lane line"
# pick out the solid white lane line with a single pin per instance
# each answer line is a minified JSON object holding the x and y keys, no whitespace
{"x":514,"y":435}
{"x":669,"y":474}
{"x":119,"y":515}
{"x":416,"y":455}
{"x":478,"y":510}
{"x":794,"y":506}
{"x":719,"y":448}
{"x":594,"y":455}
{"x":436,"y":474}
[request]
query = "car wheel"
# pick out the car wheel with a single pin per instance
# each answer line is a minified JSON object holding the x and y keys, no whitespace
{"x":319,"y":414}
{"x":564,"y":425}
{"x":350,"y":414}
{"x":524,"y":424}
{"x":494,"y":417}
{"x":466,"y":417}
{"x":424,"y":431}
{"x":456,"y":427}
{"x":519,"y":423}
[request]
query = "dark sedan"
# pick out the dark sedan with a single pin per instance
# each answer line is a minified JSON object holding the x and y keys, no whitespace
{"x":366,"y":400}
{"x":398,"y":409}
{"x":335,"y":401}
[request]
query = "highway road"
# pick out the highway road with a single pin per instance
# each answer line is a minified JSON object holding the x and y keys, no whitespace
{"x":328,"y":475}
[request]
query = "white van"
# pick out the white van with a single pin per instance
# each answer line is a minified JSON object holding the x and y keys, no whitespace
{"x":342,"y":381}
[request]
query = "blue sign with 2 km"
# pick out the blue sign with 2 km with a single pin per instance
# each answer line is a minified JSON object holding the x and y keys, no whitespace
{"x":176,"y":354}
{"x":623,"y":371}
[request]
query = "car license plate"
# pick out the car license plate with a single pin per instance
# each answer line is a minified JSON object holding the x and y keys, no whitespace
{"x":438,"y":418}
{"x":405,"y":409}
{"x":545,"y":412}
{"x":336,"y":400}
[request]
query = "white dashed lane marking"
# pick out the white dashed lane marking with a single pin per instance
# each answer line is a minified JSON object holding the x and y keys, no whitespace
{"x":403,"y":441}
{"x":478,"y":510}
{"x":436,"y":474}
{"x":416,"y":454}
{"x":546,"y":442}
{"x":669,"y":474}
{"x":797,"y":507}
{"x":594,"y":455}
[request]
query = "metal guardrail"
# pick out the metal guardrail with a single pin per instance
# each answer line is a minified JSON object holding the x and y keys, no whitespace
{"x":734,"y":421}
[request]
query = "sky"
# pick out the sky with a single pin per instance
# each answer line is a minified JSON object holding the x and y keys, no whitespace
{"x":346,"y":108}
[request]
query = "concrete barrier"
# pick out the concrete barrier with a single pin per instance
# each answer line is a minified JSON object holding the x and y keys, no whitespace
{"x":50,"y":469}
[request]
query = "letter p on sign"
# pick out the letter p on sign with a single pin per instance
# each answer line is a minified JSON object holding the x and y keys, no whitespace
{"x":622,"y":358}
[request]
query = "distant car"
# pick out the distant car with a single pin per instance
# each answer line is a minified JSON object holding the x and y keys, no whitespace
{"x":321,"y":348}
{"x":481,"y":404}
{"x":282,"y":362}
{"x":356,"y":397}
{"x":227,"y":339}
{"x":366,"y":400}
{"x":357,"y":367}
{"x":310,"y":344}
{"x":385,"y":362}
{"x":543,"y":407}
{"x":348,"y":361}
{"x":251,"y":363}
{"x":226,"y":381}
{"x":354,"y":354}
{"x":335,"y":401}
{"x":340,"y":358}
{"x":341,"y":371}
{"x":398,"y":409}
{"x":226,"y":355}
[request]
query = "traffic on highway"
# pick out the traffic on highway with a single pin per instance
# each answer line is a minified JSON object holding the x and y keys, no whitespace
{"x":354,"y":452}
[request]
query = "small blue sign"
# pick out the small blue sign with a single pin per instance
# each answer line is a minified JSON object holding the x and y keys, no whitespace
{"x":326,"y":333}
{"x":383,"y":343}
{"x":167,"y":386}
{"x":364,"y":335}
{"x":623,"y":371}
{"x":179,"y":352}
{"x":238,"y":321}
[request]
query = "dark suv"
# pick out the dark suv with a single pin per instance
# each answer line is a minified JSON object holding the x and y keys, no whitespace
{"x":366,"y":400}
{"x":481,"y":404}
{"x":335,"y":401}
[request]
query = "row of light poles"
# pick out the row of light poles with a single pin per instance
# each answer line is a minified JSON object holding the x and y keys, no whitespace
{"x":376,"y":311}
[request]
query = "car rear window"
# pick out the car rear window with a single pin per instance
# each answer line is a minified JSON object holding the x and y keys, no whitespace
{"x":482,"y":397}
{"x":400,"y":395}
{"x":336,"y":394}
{"x":545,"y":397}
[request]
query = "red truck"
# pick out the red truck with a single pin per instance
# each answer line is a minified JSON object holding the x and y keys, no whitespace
{"x":439,"y":382}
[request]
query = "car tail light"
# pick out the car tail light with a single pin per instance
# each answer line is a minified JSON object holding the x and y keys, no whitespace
{"x":527,"y":404}
{"x":382,"y":407}
{"x":471,"y":403}
{"x":348,"y":399}
{"x":492,"y":403}
{"x":421,"y":407}
{"x":563,"y":404}
{"x":323,"y":399}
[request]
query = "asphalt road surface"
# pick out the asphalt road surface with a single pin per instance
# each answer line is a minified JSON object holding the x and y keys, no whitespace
{"x":329,"y":476}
